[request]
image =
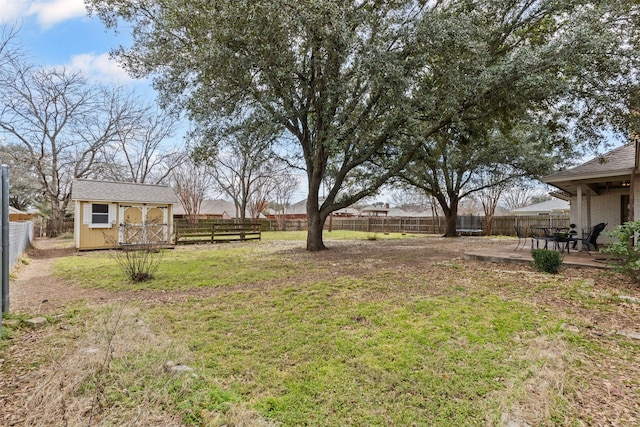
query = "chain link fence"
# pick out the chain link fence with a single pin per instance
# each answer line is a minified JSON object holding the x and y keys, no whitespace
{"x":20,"y":238}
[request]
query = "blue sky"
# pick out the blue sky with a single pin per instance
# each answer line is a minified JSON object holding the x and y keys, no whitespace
{"x":59,"y":32}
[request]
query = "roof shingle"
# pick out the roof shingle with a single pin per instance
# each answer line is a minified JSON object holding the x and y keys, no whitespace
{"x":616,"y":162}
{"x":126,"y":192}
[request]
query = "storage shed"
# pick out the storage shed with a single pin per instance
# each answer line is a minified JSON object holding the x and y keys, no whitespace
{"x":110,"y":214}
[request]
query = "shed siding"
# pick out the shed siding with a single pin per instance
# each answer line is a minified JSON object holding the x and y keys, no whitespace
{"x":95,"y":238}
{"x":107,"y":237}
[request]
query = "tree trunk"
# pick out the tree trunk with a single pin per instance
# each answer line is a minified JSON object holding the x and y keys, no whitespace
{"x":451,"y":221}
{"x":57,"y":220}
{"x":314,"y":232}
{"x":450,"y":211}
{"x":315,"y":223}
{"x":489,"y":219}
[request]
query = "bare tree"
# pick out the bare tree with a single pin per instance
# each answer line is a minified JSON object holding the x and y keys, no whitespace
{"x":63,"y":122}
{"x":284,"y":186}
{"x":191,"y":182}
{"x":242,"y":163}
{"x":142,"y":153}
{"x":493,"y":184}
{"x":26,"y":191}
{"x":9,"y":50}
{"x":518,"y":195}
{"x":257,"y":206}
{"x":409,"y":199}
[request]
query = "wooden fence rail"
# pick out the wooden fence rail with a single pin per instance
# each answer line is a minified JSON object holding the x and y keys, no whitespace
{"x":212,"y":231}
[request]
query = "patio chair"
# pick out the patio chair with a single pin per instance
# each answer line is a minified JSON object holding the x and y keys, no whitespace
{"x":539,"y":233}
{"x":590,"y":237}
{"x":521,"y":233}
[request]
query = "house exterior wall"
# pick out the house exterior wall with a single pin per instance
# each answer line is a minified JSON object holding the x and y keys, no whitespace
{"x":104,"y":236}
{"x":605,"y":207}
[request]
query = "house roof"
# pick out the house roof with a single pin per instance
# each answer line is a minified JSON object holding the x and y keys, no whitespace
{"x":612,"y":168}
{"x":124,"y":192}
{"x":14,"y":211}
{"x":211,"y":207}
{"x":397,"y":212}
{"x":215,"y":207}
{"x":553,"y":205}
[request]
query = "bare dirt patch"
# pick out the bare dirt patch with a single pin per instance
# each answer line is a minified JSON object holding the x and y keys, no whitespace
{"x":36,"y":290}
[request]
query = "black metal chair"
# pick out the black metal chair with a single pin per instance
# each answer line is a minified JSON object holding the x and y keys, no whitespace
{"x":541,"y":233}
{"x":521,"y":233}
{"x":590,"y":237}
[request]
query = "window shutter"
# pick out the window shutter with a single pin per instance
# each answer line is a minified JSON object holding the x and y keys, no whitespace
{"x":86,"y":217}
{"x":112,"y":213}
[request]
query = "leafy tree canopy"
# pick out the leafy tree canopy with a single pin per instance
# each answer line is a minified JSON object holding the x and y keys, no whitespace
{"x":351,"y":81}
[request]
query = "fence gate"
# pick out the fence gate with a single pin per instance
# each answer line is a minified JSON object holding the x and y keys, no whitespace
{"x":140,"y":224}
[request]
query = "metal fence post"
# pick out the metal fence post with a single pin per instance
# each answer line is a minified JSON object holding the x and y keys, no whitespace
{"x":5,"y":238}
{"x":2,"y":265}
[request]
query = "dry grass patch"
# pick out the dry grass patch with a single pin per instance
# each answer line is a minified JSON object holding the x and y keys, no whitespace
{"x":390,"y":332}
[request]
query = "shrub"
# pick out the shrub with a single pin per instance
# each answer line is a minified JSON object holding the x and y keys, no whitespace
{"x":546,"y":260}
{"x":139,"y":261}
{"x":626,"y":255}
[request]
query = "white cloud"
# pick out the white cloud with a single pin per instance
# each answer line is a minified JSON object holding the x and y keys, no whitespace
{"x":101,"y":68}
{"x":12,"y":10}
{"x":52,"y":12}
{"x":46,"y":12}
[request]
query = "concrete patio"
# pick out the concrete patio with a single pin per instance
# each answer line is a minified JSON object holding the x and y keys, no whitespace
{"x":509,"y":254}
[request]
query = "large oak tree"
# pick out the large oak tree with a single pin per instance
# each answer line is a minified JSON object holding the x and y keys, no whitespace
{"x":350,"y":81}
{"x":334,"y":75}
{"x":528,"y":81}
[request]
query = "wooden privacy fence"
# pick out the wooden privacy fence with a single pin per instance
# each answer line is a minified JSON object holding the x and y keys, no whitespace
{"x":212,"y":231}
{"x":502,"y":225}
{"x":53,"y":229}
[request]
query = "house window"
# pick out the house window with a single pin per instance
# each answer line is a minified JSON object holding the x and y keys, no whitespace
{"x":99,"y":213}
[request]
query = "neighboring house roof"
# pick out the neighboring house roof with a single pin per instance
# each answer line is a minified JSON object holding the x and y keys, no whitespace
{"x":345,"y":212}
{"x":211,"y":207}
{"x":298,"y":208}
{"x":123,"y":192}
{"x":614,"y":167}
{"x":550,"y":206}
{"x":397,"y":212}
{"x":216,"y":207}
{"x":14,"y":211}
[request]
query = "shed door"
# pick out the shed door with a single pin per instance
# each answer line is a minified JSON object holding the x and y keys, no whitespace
{"x":140,"y":224}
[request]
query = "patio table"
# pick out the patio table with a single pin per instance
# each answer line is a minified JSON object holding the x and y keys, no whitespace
{"x":558,"y":235}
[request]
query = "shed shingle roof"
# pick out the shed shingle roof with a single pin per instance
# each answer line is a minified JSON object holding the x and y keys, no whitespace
{"x":124,"y":192}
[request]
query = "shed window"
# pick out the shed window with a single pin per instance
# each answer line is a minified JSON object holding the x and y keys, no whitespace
{"x":99,"y":213}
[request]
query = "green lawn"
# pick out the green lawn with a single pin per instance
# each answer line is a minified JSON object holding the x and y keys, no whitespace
{"x":275,"y":334}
